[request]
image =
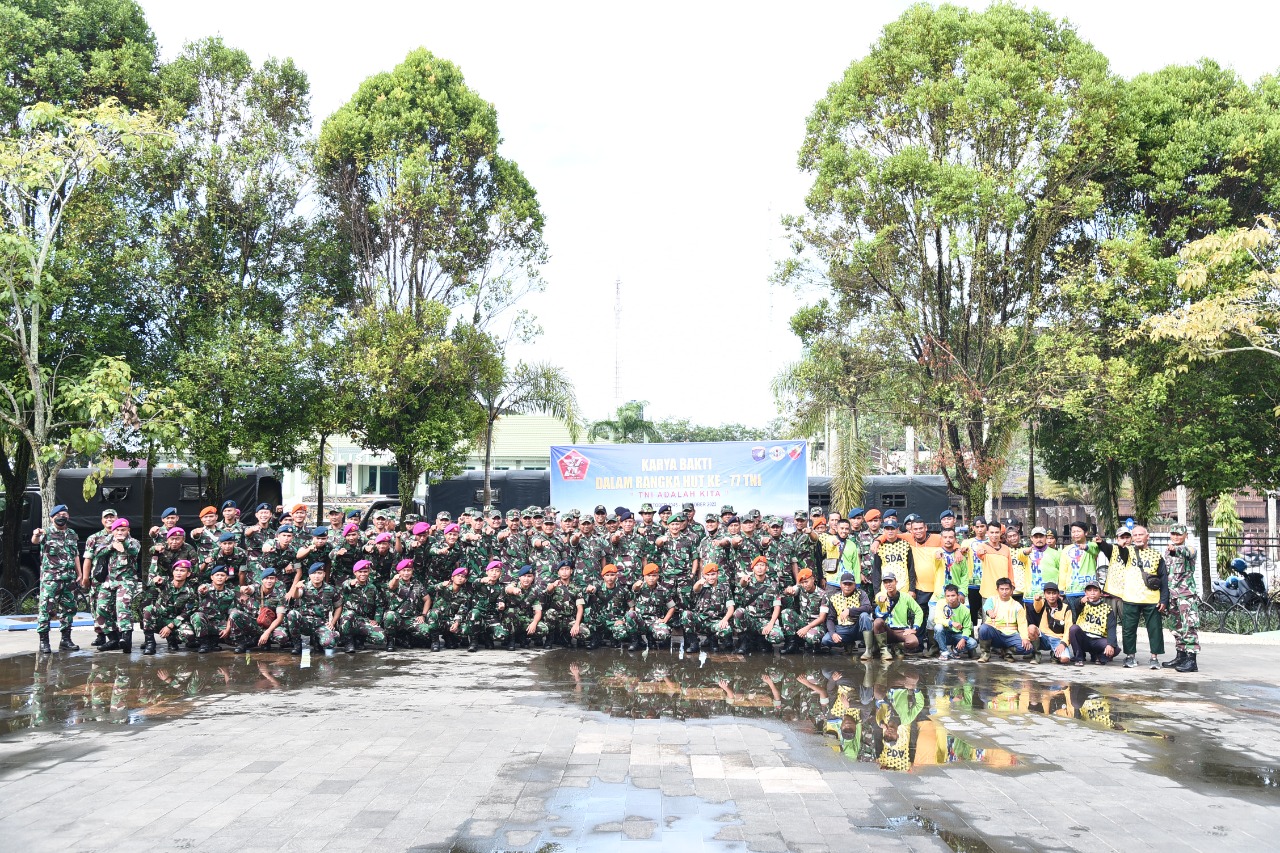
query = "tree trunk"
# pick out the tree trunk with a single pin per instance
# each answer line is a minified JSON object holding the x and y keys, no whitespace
{"x":409,"y":472}
{"x":488,"y":462}
{"x":149,"y":488}
{"x":319,"y":474}
{"x":1202,"y":527}
{"x":1032,"y":520}
{"x":15,"y":485}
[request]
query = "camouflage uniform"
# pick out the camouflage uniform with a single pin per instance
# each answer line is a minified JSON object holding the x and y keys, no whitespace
{"x":485,"y":619}
{"x":279,"y":559}
{"x":630,"y":554}
{"x":236,"y":528}
{"x":343,"y":564}
{"x":521,"y":608}
{"x":310,"y":615}
{"x":676,"y":557}
{"x":608,"y":610}
{"x":253,"y":545}
{"x":173,"y":608}
{"x":244,"y":615}
{"x":113,"y":604}
{"x":213,"y":612}
{"x":514,"y":550}
{"x":704,"y":610}
{"x":404,"y":606}
{"x":590,"y":555}
{"x":1184,"y":604}
{"x":757,"y":600}
{"x":384,"y":566}
{"x":449,"y":604}
{"x":649,"y":605}
{"x":560,"y":607}
{"x":807,"y":606}
{"x":362,"y":604}
{"x":59,"y":578}
{"x":205,"y":540}
{"x":236,"y":562}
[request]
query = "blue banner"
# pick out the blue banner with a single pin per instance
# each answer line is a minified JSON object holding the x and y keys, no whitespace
{"x":771,"y":476}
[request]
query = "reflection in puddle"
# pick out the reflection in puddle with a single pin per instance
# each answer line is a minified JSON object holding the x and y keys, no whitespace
{"x":70,"y":690}
{"x":903,"y":717}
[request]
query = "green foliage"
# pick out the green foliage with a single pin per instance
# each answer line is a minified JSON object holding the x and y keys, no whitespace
{"x":628,"y":426}
{"x":683,"y":429}
{"x":1228,"y":521}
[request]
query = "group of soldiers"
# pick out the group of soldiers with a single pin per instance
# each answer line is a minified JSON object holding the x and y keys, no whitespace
{"x":742,"y":582}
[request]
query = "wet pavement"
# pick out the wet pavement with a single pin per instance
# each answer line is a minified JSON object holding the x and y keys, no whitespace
{"x":569,"y":750}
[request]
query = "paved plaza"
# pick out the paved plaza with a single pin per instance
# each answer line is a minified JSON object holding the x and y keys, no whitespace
{"x":606,"y":751}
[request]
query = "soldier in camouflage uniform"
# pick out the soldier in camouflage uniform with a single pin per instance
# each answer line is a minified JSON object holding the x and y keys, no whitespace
{"x":59,"y":577}
{"x":677,"y":560}
{"x":450,"y":604}
{"x":608,"y":602}
{"x":205,"y":537}
{"x":407,"y":605}
{"x":648,"y":526}
{"x":710,"y":550}
{"x":280,"y":555}
{"x":513,"y":544}
{"x":759,"y":606}
{"x":113,"y":605}
{"x":739,"y":550}
{"x":777,"y":552}
{"x":256,"y":536}
{"x":1184,"y":603}
{"x":173,"y":548}
{"x":417,"y":550}
{"x":382,"y":558}
{"x":445,"y":557}
{"x":523,"y":608}
{"x":652,"y":609}
{"x":318,"y":549}
{"x":695,"y":530}
{"x":590,"y":551}
{"x":630,"y":550}
{"x":230,"y":556}
{"x":212,"y":619}
{"x":563,"y":606}
{"x":170,"y":614}
{"x":231,"y":522}
{"x":473,"y":548}
{"x":86,"y":567}
{"x":348,"y":552}
{"x":267,"y":593}
{"x":315,"y":610}
{"x":805,"y":621}
{"x":486,"y":622}
{"x":803,"y":550}
{"x":363,"y":603}
{"x":708,"y":610}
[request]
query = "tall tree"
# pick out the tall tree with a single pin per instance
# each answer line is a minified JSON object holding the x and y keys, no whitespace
{"x":627,"y":426}
{"x":948,"y":166}
{"x":525,"y":389}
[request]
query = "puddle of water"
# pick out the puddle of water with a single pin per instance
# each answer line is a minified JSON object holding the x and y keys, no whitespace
{"x":919,"y":825}
{"x":905,"y":717}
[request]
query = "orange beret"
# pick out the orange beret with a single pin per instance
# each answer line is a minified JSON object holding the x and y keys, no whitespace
{"x":872,"y":514}
{"x":297,"y":507}
{"x":609,"y":568}
{"x":805,"y":574}
{"x":818,"y":519}
{"x":208,"y":510}
{"x":709,"y":568}
{"x":759,"y":559}
{"x":650,"y":569}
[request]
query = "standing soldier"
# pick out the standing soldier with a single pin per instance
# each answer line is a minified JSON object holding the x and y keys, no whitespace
{"x":347,"y":553}
{"x":231,"y":521}
{"x":1184,"y":604}
{"x":206,"y":537}
{"x":444,"y":557}
{"x":59,"y":577}
{"x":256,"y":536}
{"x":631,"y":550}
{"x":523,"y":608}
{"x":168,"y":520}
{"x":230,"y":556}
{"x":407,"y":607}
{"x":804,"y":552}
{"x":708,"y":610}
{"x":710,"y":549}
{"x":113,"y":604}
{"x":513,"y":545}
{"x":590,"y":551}
{"x":86,"y":574}
{"x":648,"y":527}
{"x":362,"y":604}
{"x":692,"y":527}
{"x":677,"y":560}
{"x":170,"y":615}
{"x":281,"y":555}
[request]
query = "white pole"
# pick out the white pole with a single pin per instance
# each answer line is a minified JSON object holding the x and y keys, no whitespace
{"x":911,"y":451}
{"x":1182,"y":504}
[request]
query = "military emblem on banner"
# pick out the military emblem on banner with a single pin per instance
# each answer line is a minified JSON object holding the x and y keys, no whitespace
{"x":573,"y":466}
{"x":758,"y":453}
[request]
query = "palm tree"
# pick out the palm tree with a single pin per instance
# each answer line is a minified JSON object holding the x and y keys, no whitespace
{"x":524,"y":390}
{"x":627,"y":427}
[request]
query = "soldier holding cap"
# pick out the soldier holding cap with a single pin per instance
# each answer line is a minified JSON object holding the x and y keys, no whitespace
{"x":1184,"y":602}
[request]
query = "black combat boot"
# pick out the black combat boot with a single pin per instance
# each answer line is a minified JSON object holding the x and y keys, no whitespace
{"x":100,"y":638}
{"x":148,"y":643}
{"x":66,"y":645}
{"x":511,"y":643}
{"x":126,"y":641}
{"x":44,"y":643}
{"x":391,"y":644}
{"x":788,"y":646}
{"x":473,"y":646}
{"x":1188,"y":665}
{"x":744,"y":644}
{"x":692,"y":645}
{"x":635,"y":643}
{"x":112,"y":644}
{"x":242,"y":646}
{"x":297,"y":646}
{"x":1176,"y":662}
{"x":351,"y":646}
{"x":438,"y":644}
{"x":174,"y":643}
{"x":205,"y":646}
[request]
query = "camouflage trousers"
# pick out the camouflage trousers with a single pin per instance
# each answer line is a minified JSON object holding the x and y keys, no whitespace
{"x":517,"y":625}
{"x":792,"y":621}
{"x":245,"y":624}
{"x":441,"y":622}
{"x":57,"y":599}
{"x":400,"y":627}
{"x":355,"y":627}
{"x":298,"y":625}
{"x":653,"y":628}
{"x":1184,"y":622}
{"x":557,"y":620}
{"x":706,"y":623}
{"x":113,"y":605}
{"x":155,"y":617}
{"x":487,"y":625}
{"x":613,"y":627}
{"x":750,"y":621}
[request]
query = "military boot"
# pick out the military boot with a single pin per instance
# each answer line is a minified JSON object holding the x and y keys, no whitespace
{"x":1176,"y":662}
{"x":473,"y":646}
{"x":66,"y":645}
{"x":174,"y":643}
{"x":206,"y":646}
{"x":242,"y":646}
{"x":126,"y":641}
{"x":112,"y":644}
{"x":1189,"y":664}
{"x":297,"y":646}
{"x":100,"y":638}
{"x":391,"y":644}
{"x":44,"y":643}
{"x":438,"y":644}
{"x":744,"y":643}
{"x":351,"y":646}
{"x":148,"y":643}
{"x":694,"y":645}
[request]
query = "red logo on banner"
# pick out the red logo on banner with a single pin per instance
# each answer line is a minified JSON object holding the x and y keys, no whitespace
{"x":573,"y":466}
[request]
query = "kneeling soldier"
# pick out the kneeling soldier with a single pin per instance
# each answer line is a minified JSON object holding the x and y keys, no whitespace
{"x":709,"y":612}
{"x":407,"y":605}
{"x":652,"y":610}
{"x":171,"y":614}
{"x":805,"y":622}
{"x":315,"y":610}
{"x":362,"y":603}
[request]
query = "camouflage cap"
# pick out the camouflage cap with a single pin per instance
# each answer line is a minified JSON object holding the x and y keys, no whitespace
{"x":754,"y":514}
{"x":513,"y":513}
{"x":710,"y":517}
{"x":726,"y":510}
{"x":533,"y":510}
{"x":612,"y":519}
{"x":687,"y":507}
{"x":443,"y":516}
{"x":548,"y":510}
{"x":646,"y":507}
{"x":577,"y":513}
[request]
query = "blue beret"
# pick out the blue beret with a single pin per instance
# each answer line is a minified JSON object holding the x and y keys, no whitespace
{"x":355,"y":513}
{"x":946,"y":513}
{"x":168,"y":511}
{"x":524,"y":570}
{"x":57,"y":509}
{"x":227,"y":537}
{"x":563,"y":563}
{"x":217,"y":569}
{"x":316,"y":567}
{"x":857,"y":512}
{"x":261,"y":507}
{"x":320,"y":531}
{"x":268,"y":573}
{"x":624,"y":515}
{"x":229,"y":505}
{"x":664,"y":508}
{"x":890,"y":513}
{"x":286,"y":528}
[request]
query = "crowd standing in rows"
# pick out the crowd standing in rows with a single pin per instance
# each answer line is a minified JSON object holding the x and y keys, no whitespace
{"x":868,"y":582}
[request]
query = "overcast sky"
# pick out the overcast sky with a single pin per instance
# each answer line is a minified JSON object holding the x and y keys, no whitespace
{"x":662,"y":140}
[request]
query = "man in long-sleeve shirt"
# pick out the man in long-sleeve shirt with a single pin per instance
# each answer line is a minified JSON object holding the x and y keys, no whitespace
{"x":849,"y":615}
{"x":1094,"y":631}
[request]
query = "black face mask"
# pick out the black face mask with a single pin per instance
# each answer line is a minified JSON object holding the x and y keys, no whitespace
{"x":61,"y":521}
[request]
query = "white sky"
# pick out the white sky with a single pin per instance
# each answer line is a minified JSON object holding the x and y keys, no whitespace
{"x":661,"y":139}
